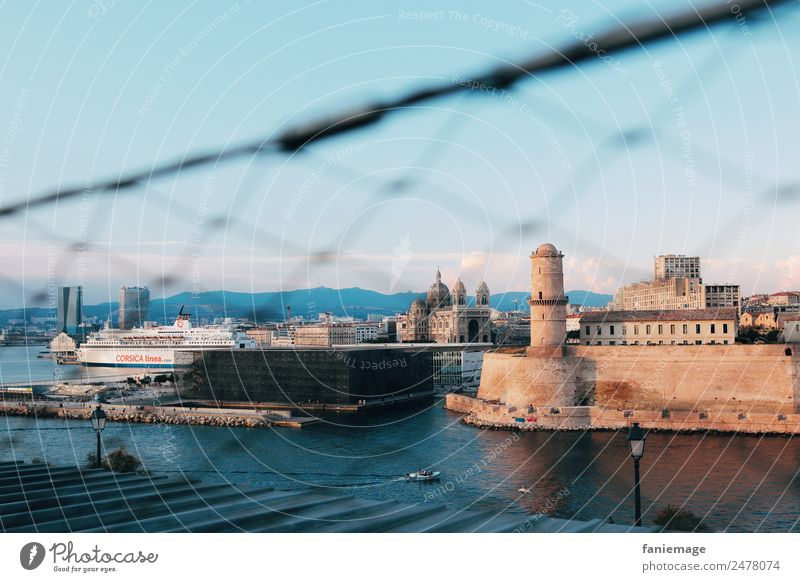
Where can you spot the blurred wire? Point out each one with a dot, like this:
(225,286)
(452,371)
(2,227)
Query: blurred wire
(502,77)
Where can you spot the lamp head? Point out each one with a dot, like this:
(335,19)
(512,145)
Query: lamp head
(636,439)
(98,419)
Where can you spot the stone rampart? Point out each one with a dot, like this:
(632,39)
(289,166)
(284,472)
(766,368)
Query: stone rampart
(708,378)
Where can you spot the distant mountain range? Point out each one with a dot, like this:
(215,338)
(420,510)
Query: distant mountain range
(309,303)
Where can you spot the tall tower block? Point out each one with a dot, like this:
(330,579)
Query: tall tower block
(548,302)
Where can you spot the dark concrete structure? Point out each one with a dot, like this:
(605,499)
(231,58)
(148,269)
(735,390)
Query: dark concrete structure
(339,375)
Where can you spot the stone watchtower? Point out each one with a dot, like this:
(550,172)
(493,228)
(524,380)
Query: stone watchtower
(548,303)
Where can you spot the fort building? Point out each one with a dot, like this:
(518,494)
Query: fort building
(673,327)
(663,379)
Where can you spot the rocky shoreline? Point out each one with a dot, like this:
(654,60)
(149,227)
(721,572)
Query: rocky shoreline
(153,415)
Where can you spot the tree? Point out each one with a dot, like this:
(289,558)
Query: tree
(675,519)
(118,461)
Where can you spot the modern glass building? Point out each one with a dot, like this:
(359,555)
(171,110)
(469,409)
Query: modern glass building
(70,309)
(134,305)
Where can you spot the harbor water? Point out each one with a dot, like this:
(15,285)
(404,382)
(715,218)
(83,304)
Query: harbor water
(735,483)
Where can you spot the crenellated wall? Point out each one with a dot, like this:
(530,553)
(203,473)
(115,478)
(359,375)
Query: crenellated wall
(721,378)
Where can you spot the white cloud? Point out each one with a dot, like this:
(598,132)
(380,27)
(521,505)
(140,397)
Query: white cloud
(789,273)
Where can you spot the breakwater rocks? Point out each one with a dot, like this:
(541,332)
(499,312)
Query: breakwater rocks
(153,415)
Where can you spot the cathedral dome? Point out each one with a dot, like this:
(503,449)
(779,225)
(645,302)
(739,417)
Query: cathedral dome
(438,294)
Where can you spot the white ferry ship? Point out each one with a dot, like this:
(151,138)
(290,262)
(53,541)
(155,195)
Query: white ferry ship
(155,347)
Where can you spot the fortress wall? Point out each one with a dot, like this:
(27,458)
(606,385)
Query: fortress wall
(526,380)
(732,378)
(485,415)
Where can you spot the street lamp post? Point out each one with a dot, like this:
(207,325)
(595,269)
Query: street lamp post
(98,419)
(636,438)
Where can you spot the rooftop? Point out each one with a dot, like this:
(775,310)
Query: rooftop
(728,313)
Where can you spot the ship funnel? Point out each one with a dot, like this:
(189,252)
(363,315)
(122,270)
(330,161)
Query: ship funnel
(183,320)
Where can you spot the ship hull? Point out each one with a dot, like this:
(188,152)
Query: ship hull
(128,358)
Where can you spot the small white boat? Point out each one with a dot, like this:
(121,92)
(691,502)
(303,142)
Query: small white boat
(524,490)
(422,475)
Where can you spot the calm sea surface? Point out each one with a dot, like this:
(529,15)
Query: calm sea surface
(739,483)
(20,364)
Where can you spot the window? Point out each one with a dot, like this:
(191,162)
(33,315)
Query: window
(697,328)
(635,330)
(612,343)
(698,342)
(672,329)
(685,328)
(713,328)
(540,294)
(599,330)
(588,330)
(660,329)
(725,328)
(647,329)
(611,329)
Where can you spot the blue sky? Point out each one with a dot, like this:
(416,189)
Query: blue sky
(686,146)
